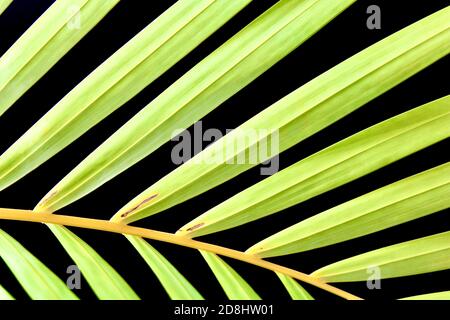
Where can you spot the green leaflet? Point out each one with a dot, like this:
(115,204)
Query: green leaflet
(296,291)
(349,159)
(57,31)
(175,284)
(4,4)
(38,281)
(397,203)
(138,63)
(102,278)
(304,112)
(443,295)
(223,73)
(231,282)
(4,295)
(418,256)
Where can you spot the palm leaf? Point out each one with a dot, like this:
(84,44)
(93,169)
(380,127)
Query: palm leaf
(418,256)
(4,295)
(102,278)
(397,203)
(340,163)
(45,43)
(175,284)
(226,71)
(235,287)
(138,63)
(319,103)
(4,4)
(37,280)
(443,295)
(296,291)
(304,112)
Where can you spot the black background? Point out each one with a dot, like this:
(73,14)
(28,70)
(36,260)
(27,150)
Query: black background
(340,39)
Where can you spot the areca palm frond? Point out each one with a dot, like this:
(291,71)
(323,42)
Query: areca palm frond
(311,108)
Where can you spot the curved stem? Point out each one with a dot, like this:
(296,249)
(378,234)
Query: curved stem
(103,225)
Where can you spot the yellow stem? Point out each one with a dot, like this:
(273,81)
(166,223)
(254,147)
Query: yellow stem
(103,225)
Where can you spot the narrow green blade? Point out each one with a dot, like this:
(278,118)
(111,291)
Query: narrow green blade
(231,282)
(295,290)
(4,4)
(397,203)
(57,31)
(102,278)
(38,281)
(418,256)
(334,166)
(4,295)
(223,73)
(299,115)
(443,295)
(133,67)
(175,284)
